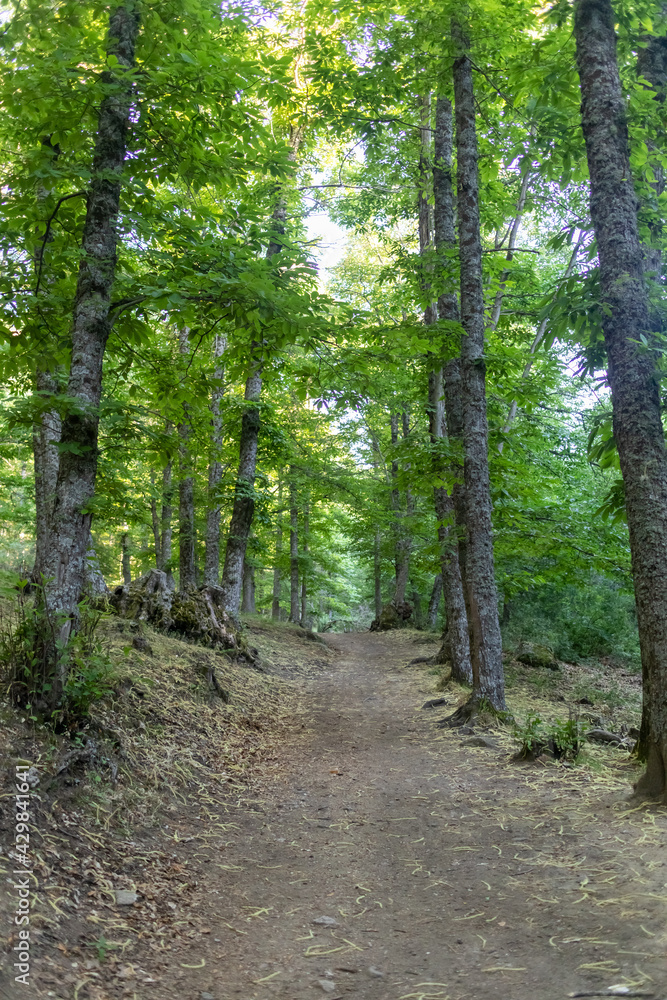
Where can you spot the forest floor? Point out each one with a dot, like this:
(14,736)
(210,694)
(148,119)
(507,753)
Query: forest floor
(369,854)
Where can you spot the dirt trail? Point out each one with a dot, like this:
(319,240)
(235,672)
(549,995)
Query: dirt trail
(449,871)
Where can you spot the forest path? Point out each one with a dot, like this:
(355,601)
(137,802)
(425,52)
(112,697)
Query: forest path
(450,871)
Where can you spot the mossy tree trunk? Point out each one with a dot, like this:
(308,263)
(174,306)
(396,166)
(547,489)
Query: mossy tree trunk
(187,567)
(633,377)
(482,604)
(65,565)
(212,558)
(444,385)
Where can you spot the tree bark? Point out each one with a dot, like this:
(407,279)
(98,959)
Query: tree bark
(70,528)
(449,507)
(395,492)
(187,566)
(434,602)
(486,644)
(631,371)
(404,547)
(165,518)
(304,569)
(46,435)
(125,558)
(377,573)
(155,524)
(212,560)
(248,601)
(275,605)
(293,548)
(244,498)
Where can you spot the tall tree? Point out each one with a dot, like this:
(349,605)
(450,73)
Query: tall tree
(294,546)
(212,560)
(277,569)
(485,644)
(66,563)
(187,565)
(441,388)
(632,371)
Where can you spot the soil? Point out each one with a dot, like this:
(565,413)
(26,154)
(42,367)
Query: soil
(450,871)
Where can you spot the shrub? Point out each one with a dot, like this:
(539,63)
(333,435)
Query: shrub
(35,657)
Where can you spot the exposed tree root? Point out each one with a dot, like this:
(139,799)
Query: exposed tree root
(194,614)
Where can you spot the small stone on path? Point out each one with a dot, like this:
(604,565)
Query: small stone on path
(372,971)
(206,996)
(125,897)
(327,985)
(326,921)
(479,741)
(434,702)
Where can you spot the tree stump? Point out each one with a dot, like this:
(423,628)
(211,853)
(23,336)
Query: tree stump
(195,614)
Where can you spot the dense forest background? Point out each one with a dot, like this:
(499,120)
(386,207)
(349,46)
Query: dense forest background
(198,139)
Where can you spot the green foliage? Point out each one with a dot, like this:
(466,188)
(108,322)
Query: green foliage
(561,738)
(596,620)
(34,657)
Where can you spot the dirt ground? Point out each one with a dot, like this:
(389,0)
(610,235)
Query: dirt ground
(381,858)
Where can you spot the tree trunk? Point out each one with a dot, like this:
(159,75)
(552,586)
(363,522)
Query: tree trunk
(165,519)
(155,524)
(377,574)
(293,549)
(275,605)
(404,547)
(187,567)
(212,560)
(304,569)
(125,558)
(632,374)
(395,492)
(70,529)
(449,508)
(244,498)
(248,602)
(46,435)
(434,602)
(486,645)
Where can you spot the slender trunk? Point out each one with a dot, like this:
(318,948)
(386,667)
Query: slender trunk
(212,560)
(304,569)
(46,435)
(377,573)
(293,549)
(155,524)
(434,602)
(187,567)
(165,518)
(449,506)
(243,510)
(404,548)
(486,645)
(395,492)
(70,528)
(275,605)
(125,558)
(248,601)
(631,372)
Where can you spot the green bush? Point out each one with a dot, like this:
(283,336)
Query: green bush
(578,623)
(34,656)
(562,738)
